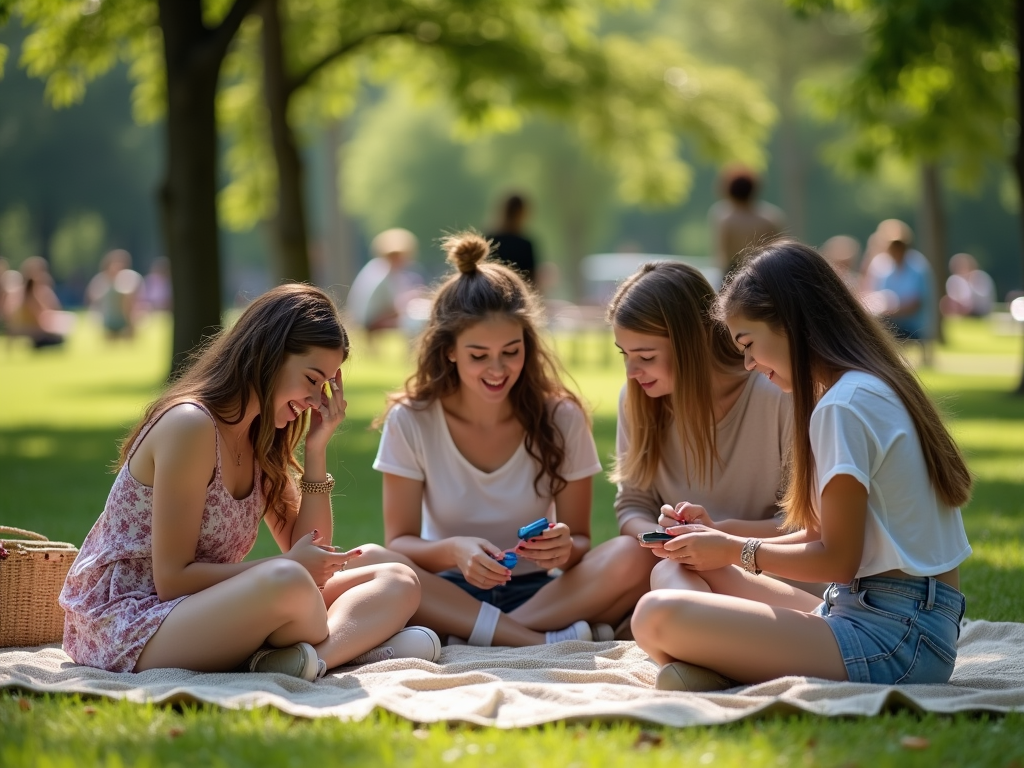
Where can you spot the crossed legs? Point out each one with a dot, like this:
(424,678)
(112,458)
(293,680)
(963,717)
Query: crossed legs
(277,603)
(748,628)
(601,588)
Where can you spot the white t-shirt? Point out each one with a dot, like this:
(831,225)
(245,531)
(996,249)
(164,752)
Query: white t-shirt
(373,293)
(752,441)
(461,500)
(861,428)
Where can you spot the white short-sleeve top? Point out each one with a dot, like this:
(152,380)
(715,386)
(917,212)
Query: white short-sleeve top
(861,428)
(461,500)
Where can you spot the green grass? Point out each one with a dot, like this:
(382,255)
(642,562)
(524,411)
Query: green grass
(63,411)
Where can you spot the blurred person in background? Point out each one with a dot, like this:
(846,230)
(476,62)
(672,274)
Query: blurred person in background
(381,292)
(739,220)
(969,290)
(899,285)
(113,294)
(38,313)
(156,286)
(843,253)
(10,292)
(509,243)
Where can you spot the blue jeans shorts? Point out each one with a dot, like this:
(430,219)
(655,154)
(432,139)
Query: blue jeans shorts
(895,631)
(507,597)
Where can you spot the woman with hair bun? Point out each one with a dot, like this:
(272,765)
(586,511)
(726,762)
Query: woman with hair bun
(484,439)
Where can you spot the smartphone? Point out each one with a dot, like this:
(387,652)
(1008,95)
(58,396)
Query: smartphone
(536,528)
(509,560)
(654,537)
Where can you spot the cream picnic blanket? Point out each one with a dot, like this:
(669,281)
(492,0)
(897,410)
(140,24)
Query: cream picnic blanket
(515,687)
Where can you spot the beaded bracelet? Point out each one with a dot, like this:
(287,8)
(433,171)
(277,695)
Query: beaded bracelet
(747,556)
(325,487)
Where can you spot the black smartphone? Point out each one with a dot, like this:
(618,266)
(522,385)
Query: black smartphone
(654,537)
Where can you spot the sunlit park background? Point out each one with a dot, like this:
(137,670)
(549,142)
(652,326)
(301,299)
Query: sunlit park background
(255,141)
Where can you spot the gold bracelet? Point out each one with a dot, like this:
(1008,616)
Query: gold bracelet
(325,487)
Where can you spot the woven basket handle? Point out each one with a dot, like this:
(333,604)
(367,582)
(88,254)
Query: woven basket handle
(21,532)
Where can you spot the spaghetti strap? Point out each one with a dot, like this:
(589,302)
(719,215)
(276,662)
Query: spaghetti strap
(151,424)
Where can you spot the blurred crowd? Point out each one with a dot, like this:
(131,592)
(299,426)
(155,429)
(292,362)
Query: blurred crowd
(117,296)
(892,277)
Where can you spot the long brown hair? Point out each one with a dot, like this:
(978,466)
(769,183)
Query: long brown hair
(795,291)
(244,361)
(477,289)
(672,300)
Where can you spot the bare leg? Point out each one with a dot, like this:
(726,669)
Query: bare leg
(446,608)
(721,631)
(275,602)
(602,587)
(355,617)
(733,581)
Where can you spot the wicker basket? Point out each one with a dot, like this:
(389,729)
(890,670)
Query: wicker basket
(32,572)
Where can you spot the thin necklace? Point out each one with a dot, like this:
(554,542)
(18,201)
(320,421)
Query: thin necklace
(238,453)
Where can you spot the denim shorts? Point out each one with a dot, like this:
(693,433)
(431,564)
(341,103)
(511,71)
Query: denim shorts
(895,631)
(507,597)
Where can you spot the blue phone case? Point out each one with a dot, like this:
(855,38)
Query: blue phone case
(509,560)
(536,528)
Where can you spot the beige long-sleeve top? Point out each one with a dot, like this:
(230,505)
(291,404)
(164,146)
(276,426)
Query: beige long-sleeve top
(753,439)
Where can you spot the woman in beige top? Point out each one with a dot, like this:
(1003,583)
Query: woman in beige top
(724,451)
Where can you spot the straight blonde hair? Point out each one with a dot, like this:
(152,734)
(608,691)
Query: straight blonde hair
(672,300)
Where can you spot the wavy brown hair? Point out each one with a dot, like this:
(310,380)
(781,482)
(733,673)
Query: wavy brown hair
(478,289)
(673,300)
(244,362)
(793,290)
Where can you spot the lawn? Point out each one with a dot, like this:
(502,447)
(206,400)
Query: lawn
(63,411)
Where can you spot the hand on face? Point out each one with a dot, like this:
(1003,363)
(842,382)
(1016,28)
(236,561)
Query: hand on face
(327,417)
(549,550)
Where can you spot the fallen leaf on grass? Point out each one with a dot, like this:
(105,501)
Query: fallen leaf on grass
(914,742)
(647,739)
(24,704)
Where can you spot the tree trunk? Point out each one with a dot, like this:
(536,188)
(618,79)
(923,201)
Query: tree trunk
(1018,158)
(188,199)
(339,264)
(933,222)
(291,251)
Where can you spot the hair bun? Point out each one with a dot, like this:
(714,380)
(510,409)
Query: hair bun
(465,249)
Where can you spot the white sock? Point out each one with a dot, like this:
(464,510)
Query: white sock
(486,622)
(580,630)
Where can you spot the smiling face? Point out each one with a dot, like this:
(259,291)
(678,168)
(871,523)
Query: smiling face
(489,356)
(300,382)
(764,350)
(648,359)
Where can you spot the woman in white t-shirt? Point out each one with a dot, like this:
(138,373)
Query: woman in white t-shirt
(724,450)
(873,502)
(483,440)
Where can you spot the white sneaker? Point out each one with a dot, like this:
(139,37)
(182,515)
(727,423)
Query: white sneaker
(581,630)
(408,643)
(299,660)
